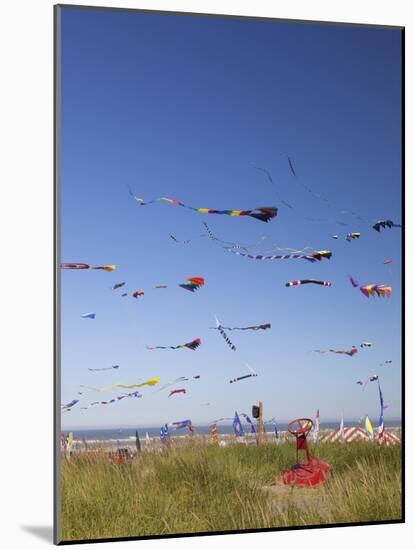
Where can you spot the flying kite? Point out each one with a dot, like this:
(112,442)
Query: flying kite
(366,345)
(177,380)
(160,286)
(349,352)
(180,390)
(115,399)
(138,293)
(373,289)
(106,368)
(181,424)
(118,285)
(124,294)
(269,177)
(151,382)
(387,362)
(225,337)
(263,213)
(311,257)
(251,374)
(86,266)
(384,223)
(352,236)
(70,404)
(386,262)
(88,315)
(308,281)
(193,283)
(265,326)
(194,344)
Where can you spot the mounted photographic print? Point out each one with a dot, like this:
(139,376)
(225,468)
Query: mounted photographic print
(229,260)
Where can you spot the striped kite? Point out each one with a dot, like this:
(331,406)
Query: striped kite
(308,281)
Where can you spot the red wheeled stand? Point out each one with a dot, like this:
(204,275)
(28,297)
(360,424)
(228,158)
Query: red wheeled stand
(312,472)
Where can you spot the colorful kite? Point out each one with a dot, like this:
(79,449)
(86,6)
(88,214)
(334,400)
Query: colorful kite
(151,382)
(352,236)
(225,336)
(263,213)
(106,368)
(179,390)
(311,257)
(88,315)
(194,344)
(181,424)
(193,283)
(252,374)
(253,327)
(372,289)
(308,281)
(86,266)
(138,293)
(384,223)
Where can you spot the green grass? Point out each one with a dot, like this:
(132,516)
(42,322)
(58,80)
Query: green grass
(206,488)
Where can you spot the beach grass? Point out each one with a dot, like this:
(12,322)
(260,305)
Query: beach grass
(200,487)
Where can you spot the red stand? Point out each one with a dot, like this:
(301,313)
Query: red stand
(312,472)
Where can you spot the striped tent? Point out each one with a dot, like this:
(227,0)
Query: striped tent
(349,435)
(388,439)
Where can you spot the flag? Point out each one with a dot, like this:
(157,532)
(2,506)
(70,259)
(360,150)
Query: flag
(368,426)
(381,426)
(341,429)
(237,426)
(164,434)
(214,434)
(250,423)
(183,424)
(316,430)
(276,432)
(137,442)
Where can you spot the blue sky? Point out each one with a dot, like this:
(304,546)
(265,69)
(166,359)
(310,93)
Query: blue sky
(183,107)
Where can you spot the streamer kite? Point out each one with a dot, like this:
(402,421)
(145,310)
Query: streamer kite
(151,382)
(349,352)
(193,345)
(86,266)
(174,392)
(106,368)
(114,400)
(262,213)
(384,224)
(311,257)
(225,336)
(308,281)
(88,315)
(265,326)
(193,283)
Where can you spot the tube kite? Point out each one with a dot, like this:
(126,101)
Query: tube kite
(193,283)
(179,390)
(252,374)
(86,266)
(194,344)
(308,281)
